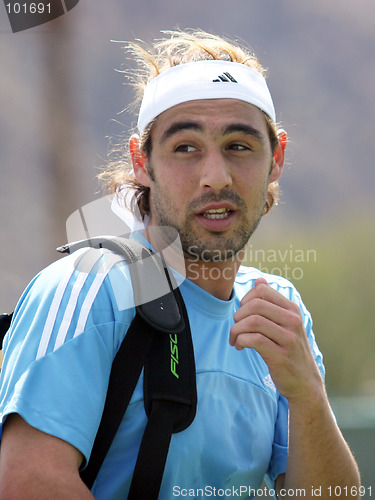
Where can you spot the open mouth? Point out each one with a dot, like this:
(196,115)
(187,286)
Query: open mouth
(217,219)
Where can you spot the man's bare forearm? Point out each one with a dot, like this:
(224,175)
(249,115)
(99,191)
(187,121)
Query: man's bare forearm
(319,457)
(37,466)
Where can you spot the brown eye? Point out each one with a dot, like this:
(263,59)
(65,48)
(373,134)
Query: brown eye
(185,148)
(239,147)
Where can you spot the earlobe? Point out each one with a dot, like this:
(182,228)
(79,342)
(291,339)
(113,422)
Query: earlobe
(279,156)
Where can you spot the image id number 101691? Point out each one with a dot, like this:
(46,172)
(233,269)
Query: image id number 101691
(28,8)
(349,491)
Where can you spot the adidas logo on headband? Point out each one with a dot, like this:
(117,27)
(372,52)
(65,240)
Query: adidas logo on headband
(225,77)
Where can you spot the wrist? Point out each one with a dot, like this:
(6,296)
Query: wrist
(312,399)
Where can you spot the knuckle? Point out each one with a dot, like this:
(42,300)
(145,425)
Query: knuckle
(237,316)
(254,322)
(260,342)
(295,308)
(295,320)
(252,340)
(257,303)
(234,330)
(254,307)
(289,342)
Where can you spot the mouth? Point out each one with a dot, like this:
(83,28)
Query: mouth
(217,218)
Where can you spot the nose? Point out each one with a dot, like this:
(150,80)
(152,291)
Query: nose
(215,172)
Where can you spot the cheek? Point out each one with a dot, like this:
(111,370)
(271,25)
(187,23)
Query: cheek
(178,183)
(170,192)
(253,183)
(253,190)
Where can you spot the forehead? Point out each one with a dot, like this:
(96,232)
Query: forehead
(213,115)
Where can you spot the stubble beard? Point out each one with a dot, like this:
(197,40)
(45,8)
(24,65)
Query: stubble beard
(214,247)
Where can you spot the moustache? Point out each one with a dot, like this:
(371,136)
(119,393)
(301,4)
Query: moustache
(224,195)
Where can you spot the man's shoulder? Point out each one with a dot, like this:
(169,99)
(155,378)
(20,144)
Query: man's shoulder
(83,290)
(78,281)
(247,276)
(85,265)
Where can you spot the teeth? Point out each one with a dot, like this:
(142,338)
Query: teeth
(217,210)
(218,213)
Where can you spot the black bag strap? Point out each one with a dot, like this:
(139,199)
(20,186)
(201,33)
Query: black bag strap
(125,372)
(159,339)
(5,320)
(170,403)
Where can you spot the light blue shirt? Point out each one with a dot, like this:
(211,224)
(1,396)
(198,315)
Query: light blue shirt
(66,331)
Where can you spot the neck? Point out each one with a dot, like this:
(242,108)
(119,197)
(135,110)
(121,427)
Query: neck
(216,278)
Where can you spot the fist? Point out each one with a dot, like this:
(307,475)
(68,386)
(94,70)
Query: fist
(272,325)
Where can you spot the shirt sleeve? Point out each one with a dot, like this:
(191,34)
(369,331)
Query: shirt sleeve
(59,350)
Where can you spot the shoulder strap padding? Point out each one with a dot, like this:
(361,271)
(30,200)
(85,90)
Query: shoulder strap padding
(150,278)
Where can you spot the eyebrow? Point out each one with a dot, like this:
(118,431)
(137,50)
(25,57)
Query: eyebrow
(178,126)
(245,129)
(232,128)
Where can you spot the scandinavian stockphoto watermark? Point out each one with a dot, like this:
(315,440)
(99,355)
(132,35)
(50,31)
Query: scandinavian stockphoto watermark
(288,262)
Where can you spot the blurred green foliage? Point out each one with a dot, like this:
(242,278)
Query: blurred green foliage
(334,270)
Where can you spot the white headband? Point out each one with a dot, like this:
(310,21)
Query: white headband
(212,79)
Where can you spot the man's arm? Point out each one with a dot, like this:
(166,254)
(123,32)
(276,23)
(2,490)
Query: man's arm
(37,466)
(318,454)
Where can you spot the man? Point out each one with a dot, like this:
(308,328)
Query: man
(206,162)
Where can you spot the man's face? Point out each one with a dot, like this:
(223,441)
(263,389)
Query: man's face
(208,173)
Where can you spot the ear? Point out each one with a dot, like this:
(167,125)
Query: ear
(279,156)
(138,161)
